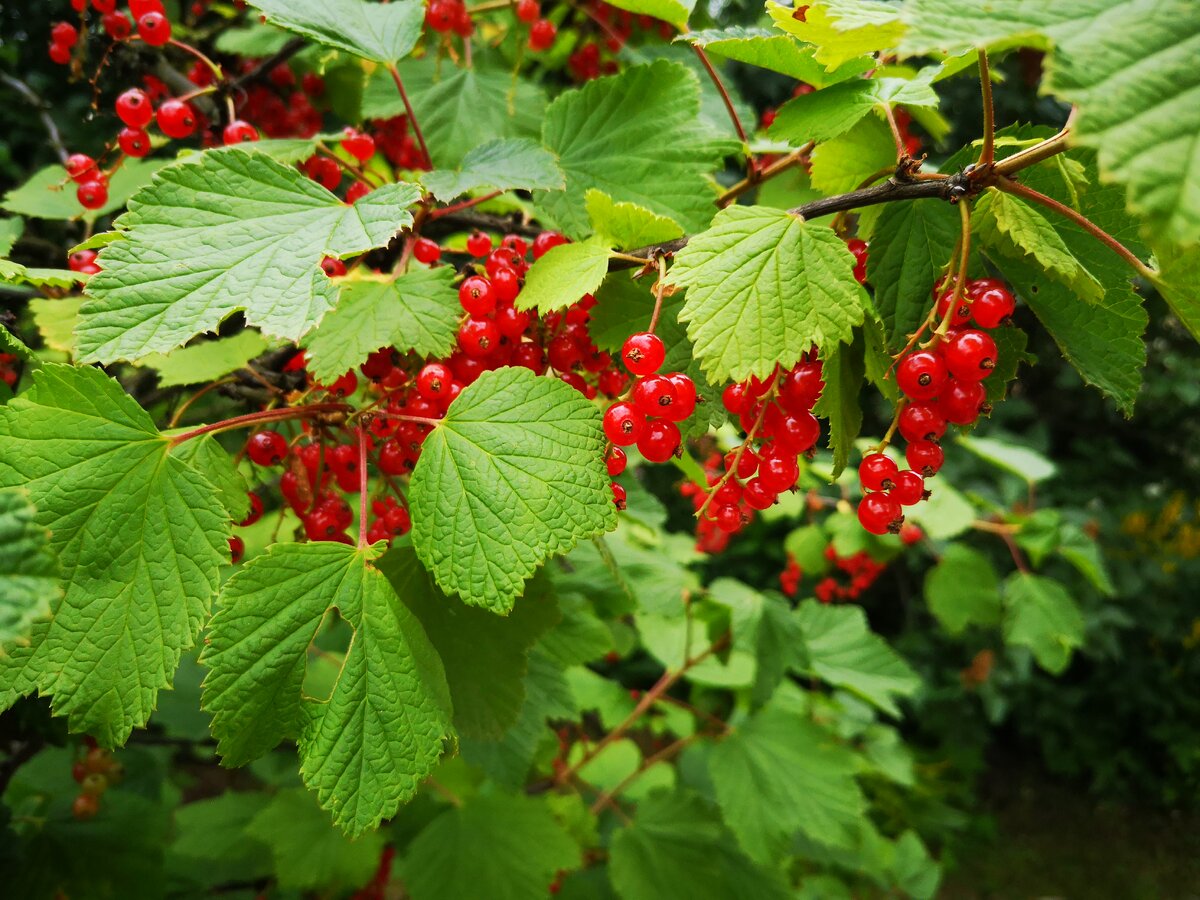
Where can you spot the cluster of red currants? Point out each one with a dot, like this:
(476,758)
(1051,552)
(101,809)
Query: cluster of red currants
(8,369)
(649,415)
(94,771)
(711,537)
(150,17)
(942,385)
(619,26)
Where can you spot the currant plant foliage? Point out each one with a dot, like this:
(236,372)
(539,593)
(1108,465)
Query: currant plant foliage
(455,333)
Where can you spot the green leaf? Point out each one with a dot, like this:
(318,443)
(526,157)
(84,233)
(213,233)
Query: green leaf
(211,847)
(1179,283)
(309,853)
(832,111)
(636,137)
(28,569)
(207,360)
(417,311)
(946,514)
(843,651)
(1081,551)
(15,273)
(390,703)
(779,773)
(384,33)
(678,847)
(50,194)
(844,371)
(628,225)
(564,274)
(764,627)
(675,12)
(842,30)
(764,287)
(766,49)
(510,843)
(140,537)
(910,246)
(486,657)
(503,165)
(1010,353)
(963,589)
(56,321)
(1014,228)
(232,231)
(513,474)
(1144,52)
(11,230)
(459,108)
(1026,464)
(844,163)
(207,456)
(1040,614)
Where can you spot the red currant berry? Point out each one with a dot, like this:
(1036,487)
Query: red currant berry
(140,7)
(623,424)
(798,433)
(83,261)
(685,397)
(434,380)
(924,457)
(728,518)
(154,28)
(475,295)
(531,356)
(564,353)
(134,108)
(992,303)
(643,353)
(324,171)
(962,312)
(877,472)
(880,514)
(321,525)
(104,6)
(801,387)
(237,549)
(528,11)
(267,448)
(659,440)
(909,488)
(545,242)
(239,132)
(343,387)
(615,460)
(426,251)
(357,191)
(921,422)
(961,401)
(176,119)
(64,33)
(778,472)
(479,244)
(333,267)
(256,510)
(134,142)
(654,395)
(117,25)
(728,494)
(618,495)
(85,807)
(359,145)
(505,285)
(81,167)
(612,382)
(969,355)
(921,375)
(541,35)
(512,322)
(60,53)
(736,399)
(92,194)
(757,495)
(859,249)
(478,337)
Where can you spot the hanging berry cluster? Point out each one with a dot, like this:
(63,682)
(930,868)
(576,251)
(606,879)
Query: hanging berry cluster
(942,385)
(94,771)
(597,53)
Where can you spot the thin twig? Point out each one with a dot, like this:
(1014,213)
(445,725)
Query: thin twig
(412,116)
(270,415)
(988,156)
(758,176)
(1012,187)
(901,148)
(716,80)
(43,111)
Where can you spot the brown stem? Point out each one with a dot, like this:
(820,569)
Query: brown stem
(758,176)
(463,204)
(362,486)
(716,80)
(901,150)
(960,281)
(660,288)
(649,762)
(1052,146)
(412,116)
(988,156)
(286,52)
(259,418)
(1012,187)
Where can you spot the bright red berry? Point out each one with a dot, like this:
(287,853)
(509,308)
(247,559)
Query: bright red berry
(426,251)
(81,167)
(64,33)
(528,10)
(757,495)
(357,191)
(139,8)
(778,472)
(343,386)
(659,440)
(60,53)
(478,337)
(654,395)
(176,119)
(512,322)
(623,424)
(358,144)
(434,380)
(909,488)
(333,267)
(921,375)
(728,518)
(969,355)
(859,249)
(117,25)
(643,353)
(479,244)
(880,514)
(801,387)
(877,472)
(104,6)
(154,28)
(618,495)
(685,397)
(991,303)
(475,295)
(736,398)
(615,460)
(134,108)
(924,457)
(505,285)
(92,194)
(134,142)
(237,549)
(545,242)
(962,312)
(541,35)
(267,448)
(961,401)
(799,432)
(256,510)
(921,422)
(239,132)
